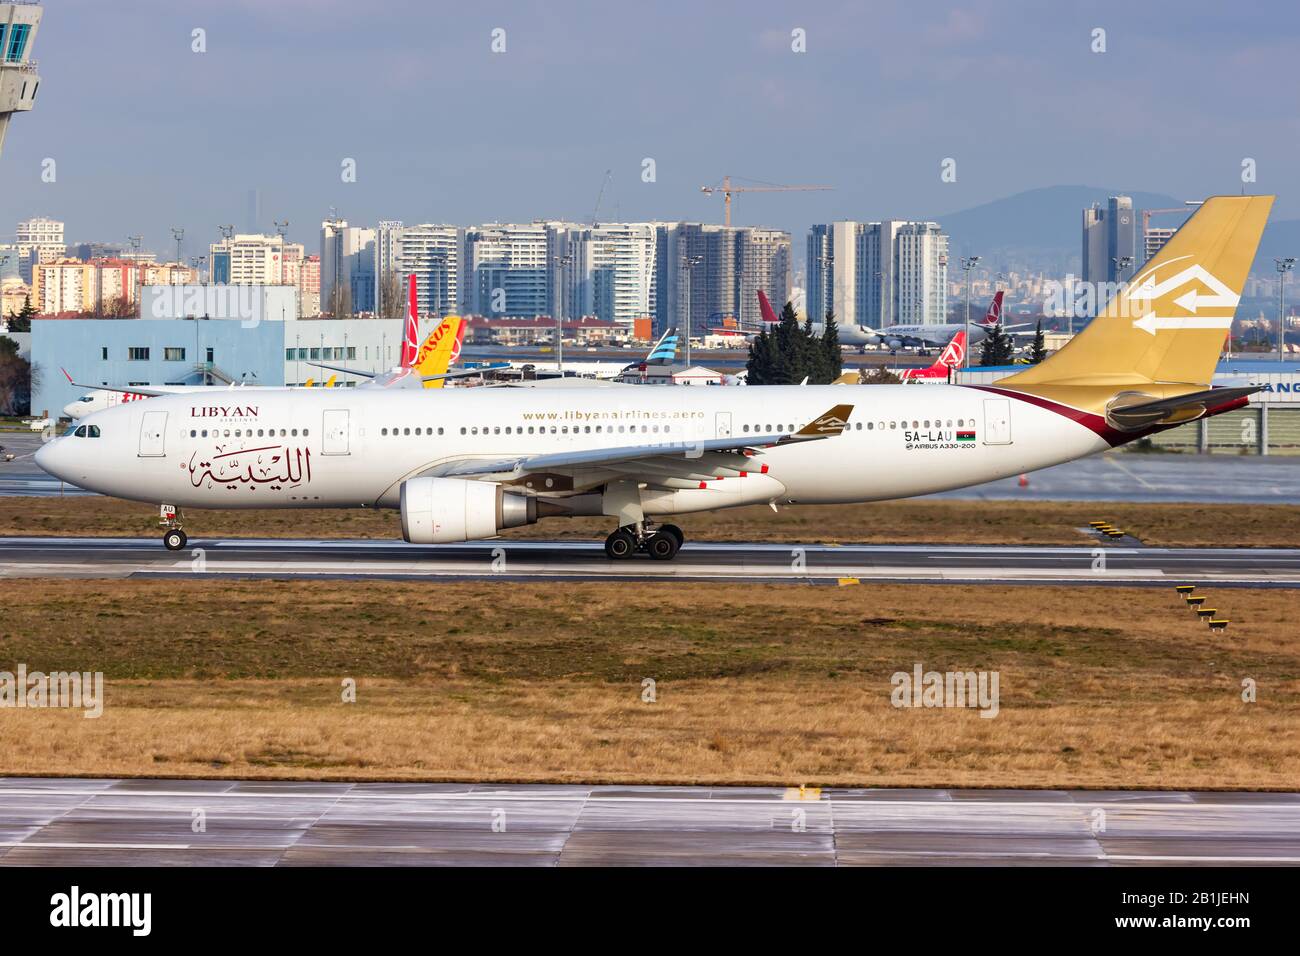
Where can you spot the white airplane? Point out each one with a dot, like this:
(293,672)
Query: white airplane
(466,464)
(896,337)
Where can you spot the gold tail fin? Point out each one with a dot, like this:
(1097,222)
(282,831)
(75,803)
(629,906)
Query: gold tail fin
(1162,335)
(440,349)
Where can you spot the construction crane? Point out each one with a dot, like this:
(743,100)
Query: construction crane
(727,189)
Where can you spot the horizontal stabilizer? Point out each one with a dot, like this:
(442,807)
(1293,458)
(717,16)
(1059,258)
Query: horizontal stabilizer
(1130,412)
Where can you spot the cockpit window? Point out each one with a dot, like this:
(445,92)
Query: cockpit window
(72,430)
(81,431)
(92,431)
(87,399)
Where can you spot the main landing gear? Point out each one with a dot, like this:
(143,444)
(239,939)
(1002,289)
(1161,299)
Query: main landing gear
(174,537)
(661,544)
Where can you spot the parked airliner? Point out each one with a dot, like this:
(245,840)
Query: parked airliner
(464,464)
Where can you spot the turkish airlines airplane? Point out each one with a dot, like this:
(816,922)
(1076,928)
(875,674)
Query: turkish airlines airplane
(950,358)
(425,366)
(466,464)
(935,336)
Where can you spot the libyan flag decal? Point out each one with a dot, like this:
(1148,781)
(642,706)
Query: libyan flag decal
(966,436)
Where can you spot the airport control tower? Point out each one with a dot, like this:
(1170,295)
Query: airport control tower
(18,78)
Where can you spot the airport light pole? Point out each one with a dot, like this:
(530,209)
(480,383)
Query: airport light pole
(562,262)
(1283,267)
(178,233)
(689,263)
(967,264)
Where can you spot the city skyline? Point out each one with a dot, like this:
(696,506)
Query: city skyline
(206,131)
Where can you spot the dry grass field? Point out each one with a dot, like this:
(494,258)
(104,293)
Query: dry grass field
(754,685)
(903,522)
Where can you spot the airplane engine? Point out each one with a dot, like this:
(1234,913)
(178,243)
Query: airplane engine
(894,344)
(448,510)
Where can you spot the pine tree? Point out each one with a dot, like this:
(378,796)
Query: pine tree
(1038,351)
(22,321)
(997,348)
(830,346)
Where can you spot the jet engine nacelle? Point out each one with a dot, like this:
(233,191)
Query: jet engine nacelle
(894,344)
(447,510)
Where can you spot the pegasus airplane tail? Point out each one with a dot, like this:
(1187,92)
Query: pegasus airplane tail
(440,351)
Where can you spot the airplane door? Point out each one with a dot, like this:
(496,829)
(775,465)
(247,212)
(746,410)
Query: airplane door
(997,421)
(722,425)
(335,430)
(153,427)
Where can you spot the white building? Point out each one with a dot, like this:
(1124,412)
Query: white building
(507,270)
(878,273)
(255,259)
(432,252)
(612,273)
(347,268)
(38,240)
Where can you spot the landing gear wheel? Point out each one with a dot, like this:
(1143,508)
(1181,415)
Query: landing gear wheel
(174,539)
(620,544)
(662,545)
(675,531)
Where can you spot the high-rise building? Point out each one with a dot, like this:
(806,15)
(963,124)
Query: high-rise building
(347,268)
(716,272)
(612,273)
(878,273)
(19,80)
(38,240)
(255,259)
(507,270)
(1109,243)
(309,287)
(1154,239)
(101,286)
(432,253)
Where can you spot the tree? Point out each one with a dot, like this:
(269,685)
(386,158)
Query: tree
(790,352)
(22,322)
(1038,351)
(15,382)
(879,376)
(997,348)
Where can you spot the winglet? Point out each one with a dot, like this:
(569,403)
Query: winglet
(66,375)
(828,424)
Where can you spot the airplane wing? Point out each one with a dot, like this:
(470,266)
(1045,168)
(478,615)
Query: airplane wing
(151,391)
(682,454)
(344,369)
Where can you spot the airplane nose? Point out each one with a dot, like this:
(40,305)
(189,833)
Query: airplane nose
(49,458)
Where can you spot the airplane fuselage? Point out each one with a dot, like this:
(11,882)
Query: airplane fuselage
(322,449)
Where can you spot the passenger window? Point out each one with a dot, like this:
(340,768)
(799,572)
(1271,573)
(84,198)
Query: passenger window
(225,433)
(405,431)
(294,432)
(439,430)
(304,433)
(462,429)
(474,430)
(193,434)
(205,433)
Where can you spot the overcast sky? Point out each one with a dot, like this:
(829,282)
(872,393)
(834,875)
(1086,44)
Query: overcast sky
(147,134)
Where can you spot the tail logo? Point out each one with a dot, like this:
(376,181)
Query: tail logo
(1147,290)
(954,352)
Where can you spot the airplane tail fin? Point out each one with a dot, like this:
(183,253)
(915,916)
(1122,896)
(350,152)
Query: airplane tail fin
(765,307)
(664,351)
(410,335)
(441,349)
(953,354)
(1163,333)
(994,314)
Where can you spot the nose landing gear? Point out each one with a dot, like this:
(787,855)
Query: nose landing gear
(661,545)
(174,537)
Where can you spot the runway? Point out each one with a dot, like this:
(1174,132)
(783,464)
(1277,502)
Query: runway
(71,822)
(1104,562)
